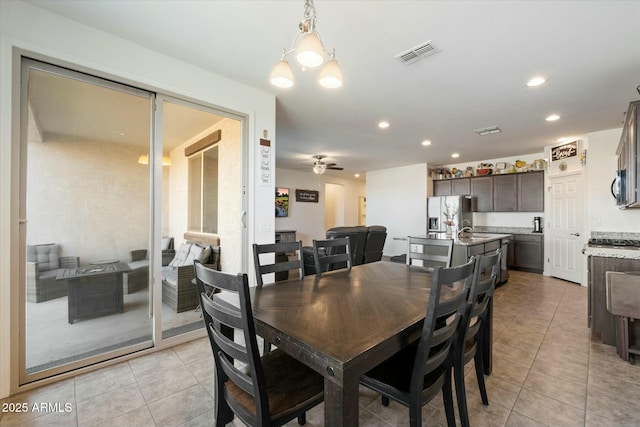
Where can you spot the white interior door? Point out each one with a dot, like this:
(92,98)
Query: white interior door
(565,227)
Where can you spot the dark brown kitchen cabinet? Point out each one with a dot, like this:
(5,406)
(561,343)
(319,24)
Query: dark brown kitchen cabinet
(531,192)
(482,193)
(460,186)
(601,322)
(528,252)
(505,193)
(442,187)
(452,187)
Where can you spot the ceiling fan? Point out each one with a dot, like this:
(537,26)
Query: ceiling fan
(320,167)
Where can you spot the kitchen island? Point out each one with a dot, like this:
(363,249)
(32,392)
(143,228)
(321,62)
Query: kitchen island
(467,245)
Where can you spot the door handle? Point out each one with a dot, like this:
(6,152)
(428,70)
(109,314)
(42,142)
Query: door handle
(575,234)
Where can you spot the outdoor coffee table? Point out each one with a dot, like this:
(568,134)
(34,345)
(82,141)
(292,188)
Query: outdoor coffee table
(94,290)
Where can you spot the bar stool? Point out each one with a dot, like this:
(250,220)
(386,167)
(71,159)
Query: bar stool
(623,301)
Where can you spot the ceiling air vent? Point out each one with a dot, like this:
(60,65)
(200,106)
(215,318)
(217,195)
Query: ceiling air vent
(416,53)
(488,131)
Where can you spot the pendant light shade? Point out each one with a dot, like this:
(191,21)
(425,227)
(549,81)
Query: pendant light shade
(310,52)
(331,75)
(281,75)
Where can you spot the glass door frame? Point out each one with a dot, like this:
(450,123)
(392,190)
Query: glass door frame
(24,60)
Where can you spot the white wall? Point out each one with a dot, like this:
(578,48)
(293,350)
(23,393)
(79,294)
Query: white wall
(48,36)
(308,219)
(602,213)
(397,199)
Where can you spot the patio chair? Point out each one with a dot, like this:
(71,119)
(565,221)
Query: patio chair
(178,291)
(43,265)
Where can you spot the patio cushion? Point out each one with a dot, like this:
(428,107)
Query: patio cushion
(188,253)
(181,255)
(134,265)
(45,255)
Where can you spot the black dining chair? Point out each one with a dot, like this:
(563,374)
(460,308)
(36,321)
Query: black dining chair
(418,372)
(432,252)
(263,267)
(331,254)
(471,330)
(278,249)
(266,391)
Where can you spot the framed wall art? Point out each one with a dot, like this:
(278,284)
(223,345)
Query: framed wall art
(282,202)
(307,196)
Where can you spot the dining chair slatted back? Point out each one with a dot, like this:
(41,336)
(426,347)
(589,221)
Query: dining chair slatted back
(471,330)
(263,268)
(418,372)
(276,267)
(431,252)
(261,391)
(331,254)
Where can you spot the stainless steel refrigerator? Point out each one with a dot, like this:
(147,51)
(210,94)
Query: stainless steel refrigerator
(453,209)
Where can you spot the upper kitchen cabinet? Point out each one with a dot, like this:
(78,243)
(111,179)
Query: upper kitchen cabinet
(482,194)
(452,187)
(519,192)
(505,193)
(531,192)
(442,187)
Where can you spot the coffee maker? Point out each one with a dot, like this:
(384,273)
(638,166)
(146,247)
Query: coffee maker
(537,224)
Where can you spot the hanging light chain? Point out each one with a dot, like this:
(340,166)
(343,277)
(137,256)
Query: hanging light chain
(308,24)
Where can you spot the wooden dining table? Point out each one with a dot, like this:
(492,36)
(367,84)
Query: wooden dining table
(344,323)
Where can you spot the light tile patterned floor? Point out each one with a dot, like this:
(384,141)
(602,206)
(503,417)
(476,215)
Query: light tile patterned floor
(546,372)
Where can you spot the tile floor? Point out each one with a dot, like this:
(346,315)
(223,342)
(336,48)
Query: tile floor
(546,372)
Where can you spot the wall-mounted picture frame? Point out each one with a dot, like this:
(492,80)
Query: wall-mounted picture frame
(307,196)
(282,202)
(564,151)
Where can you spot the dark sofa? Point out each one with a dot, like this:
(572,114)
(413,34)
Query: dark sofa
(365,245)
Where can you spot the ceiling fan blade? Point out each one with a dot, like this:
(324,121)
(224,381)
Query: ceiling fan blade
(335,168)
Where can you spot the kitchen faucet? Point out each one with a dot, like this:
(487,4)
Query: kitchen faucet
(463,229)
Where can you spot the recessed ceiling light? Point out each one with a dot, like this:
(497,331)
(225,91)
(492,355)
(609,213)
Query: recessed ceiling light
(383,125)
(536,81)
(455,155)
(552,118)
(426,142)
(357,175)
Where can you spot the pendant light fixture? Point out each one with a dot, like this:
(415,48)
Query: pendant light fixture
(309,53)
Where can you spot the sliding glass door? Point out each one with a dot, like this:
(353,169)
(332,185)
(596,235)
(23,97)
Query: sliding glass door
(201,203)
(86,201)
(120,189)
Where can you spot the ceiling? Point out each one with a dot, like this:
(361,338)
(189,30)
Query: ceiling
(69,109)
(589,51)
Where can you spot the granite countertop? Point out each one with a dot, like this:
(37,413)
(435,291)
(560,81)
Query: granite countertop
(469,239)
(611,252)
